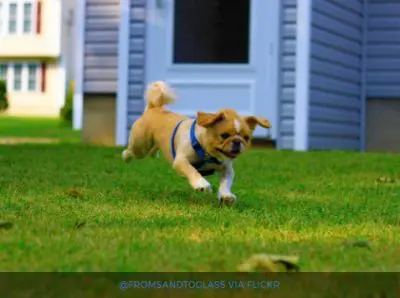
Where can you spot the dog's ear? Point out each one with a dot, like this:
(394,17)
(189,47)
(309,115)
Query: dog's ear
(209,119)
(253,121)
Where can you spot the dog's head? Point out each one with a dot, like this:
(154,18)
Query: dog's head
(227,134)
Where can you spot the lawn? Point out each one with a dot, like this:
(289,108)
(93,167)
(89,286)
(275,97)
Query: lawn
(49,128)
(80,208)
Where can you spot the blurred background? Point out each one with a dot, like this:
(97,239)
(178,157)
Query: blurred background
(325,73)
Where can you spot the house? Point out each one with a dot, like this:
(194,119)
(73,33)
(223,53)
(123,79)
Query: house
(34,44)
(326,73)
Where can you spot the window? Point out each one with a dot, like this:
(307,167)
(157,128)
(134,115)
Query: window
(3,72)
(12,18)
(17,77)
(27,28)
(211,31)
(32,77)
(24,77)
(18,16)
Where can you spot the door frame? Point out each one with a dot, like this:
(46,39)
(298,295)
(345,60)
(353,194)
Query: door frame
(272,32)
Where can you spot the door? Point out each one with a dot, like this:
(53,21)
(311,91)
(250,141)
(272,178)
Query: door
(215,54)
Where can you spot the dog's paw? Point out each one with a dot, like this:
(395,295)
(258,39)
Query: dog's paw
(202,185)
(127,155)
(227,198)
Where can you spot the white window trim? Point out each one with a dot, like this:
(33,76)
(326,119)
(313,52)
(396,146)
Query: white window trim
(24,77)
(5,17)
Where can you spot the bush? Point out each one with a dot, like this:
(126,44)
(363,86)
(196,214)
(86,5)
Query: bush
(3,96)
(67,110)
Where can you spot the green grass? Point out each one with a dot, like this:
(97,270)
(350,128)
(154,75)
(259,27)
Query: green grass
(143,217)
(22,127)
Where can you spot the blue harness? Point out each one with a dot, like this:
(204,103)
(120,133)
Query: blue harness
(201,153)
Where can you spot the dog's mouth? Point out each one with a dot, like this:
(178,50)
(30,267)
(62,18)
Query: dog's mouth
(230,154)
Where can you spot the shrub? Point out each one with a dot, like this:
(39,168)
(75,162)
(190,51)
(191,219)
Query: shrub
(3,96)
(67,110)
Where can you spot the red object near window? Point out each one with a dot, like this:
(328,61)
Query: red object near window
(38,17)
(43,72)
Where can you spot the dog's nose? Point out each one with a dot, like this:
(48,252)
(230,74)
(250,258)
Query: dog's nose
(236,146)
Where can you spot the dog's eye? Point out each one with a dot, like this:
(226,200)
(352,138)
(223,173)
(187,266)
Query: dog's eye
(225,136)
(246,138)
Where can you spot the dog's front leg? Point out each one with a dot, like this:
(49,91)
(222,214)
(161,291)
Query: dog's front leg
(225,183)
(183,167)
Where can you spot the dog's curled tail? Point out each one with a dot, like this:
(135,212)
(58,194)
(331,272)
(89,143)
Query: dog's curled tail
(158,94)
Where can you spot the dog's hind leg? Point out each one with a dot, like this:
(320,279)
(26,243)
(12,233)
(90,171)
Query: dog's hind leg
(140,143)
(154,152)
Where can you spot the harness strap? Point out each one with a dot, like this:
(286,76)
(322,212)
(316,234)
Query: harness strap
(195,143)
(201,153)
(173,138)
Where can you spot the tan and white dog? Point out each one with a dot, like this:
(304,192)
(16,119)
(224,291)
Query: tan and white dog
(195,147)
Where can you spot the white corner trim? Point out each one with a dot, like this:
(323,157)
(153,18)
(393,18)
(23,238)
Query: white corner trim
(302,81)
(58,12)
(123,73)
(79,63)
(275,65)
(63,83)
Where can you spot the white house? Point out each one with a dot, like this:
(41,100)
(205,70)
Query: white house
(35,44)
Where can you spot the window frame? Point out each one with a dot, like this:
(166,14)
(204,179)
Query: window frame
(37,77)
(12,80)
(24,77)
(32,17)
(6,73)
(5,17)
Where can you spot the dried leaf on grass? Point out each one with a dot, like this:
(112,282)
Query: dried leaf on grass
(80,224)
(270,263)
(357,243)
(74,193)
(384,180)
(6,225)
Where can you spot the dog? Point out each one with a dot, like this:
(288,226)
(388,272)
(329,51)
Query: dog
(194,147)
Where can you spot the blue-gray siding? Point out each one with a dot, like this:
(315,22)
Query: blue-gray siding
(136,63)
(101,46)
(336,65)
(383,49)
(287,74)
(336,74)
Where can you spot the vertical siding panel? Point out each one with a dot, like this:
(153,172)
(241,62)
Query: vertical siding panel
(383,49)
(136,61)
(101,46)
(336,74)
(287,74)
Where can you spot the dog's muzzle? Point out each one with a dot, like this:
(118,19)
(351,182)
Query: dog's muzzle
(236,147)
